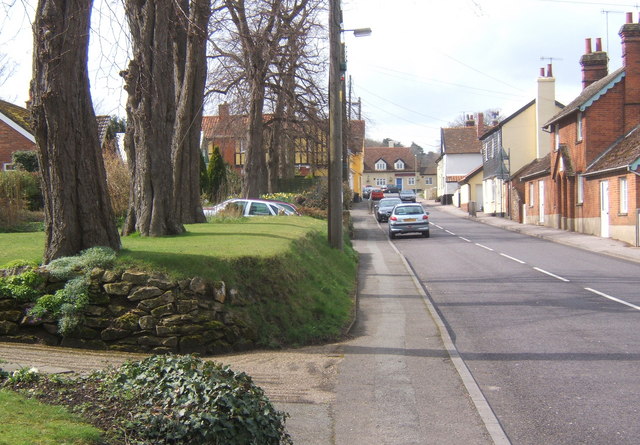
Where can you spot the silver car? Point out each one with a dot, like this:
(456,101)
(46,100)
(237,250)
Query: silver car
(248,207)
(408,218)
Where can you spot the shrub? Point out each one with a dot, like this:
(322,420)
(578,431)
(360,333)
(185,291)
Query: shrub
(185,400)
(19,193)
(22,287)
(26,160)
(67,303)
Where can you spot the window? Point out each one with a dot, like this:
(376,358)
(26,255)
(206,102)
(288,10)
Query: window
(8,166)
(428,181)
(240,155)
(381,181)
(579,126)
(624,201)
(531,194)
(411,181)
(381,165)
(399,165)
(259,208)
(580,197)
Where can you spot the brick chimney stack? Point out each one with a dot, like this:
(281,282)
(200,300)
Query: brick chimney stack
(594,64)
(480,125)
(223,111)
(630,34)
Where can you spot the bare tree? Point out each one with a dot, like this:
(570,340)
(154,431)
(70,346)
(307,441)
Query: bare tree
(78,213)
(151,107)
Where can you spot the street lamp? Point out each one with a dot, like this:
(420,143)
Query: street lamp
(337,67)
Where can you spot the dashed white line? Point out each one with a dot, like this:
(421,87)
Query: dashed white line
(617,300)
(449,232)
(551,274)
(484,247)
(512,258)
(439,227)
(464,239)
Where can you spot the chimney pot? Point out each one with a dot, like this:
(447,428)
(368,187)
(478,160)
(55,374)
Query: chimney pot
(629,17)
(541,72)
(549,70)
(598,44)
(587,46)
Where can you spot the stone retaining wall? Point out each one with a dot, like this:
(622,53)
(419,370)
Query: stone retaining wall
(133,311)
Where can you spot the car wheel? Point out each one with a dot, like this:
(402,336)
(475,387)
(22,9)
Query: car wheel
(392,235)
(425,234)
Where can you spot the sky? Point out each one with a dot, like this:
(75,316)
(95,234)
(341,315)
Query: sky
(426,63)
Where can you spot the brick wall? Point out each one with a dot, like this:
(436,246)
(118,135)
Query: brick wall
(10,142)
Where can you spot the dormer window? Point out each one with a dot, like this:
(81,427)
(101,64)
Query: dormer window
(381,165)
(399,165)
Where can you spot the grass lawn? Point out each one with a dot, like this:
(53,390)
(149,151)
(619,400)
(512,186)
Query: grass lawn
(28,422)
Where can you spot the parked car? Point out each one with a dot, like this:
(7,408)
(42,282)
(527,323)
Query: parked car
(408,218)
(384,208)
(248,207)
(287,206)
(367,191)
(376,194)
(392,189)
(408,195)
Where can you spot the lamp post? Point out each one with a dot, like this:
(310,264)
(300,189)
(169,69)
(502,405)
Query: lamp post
(337,67)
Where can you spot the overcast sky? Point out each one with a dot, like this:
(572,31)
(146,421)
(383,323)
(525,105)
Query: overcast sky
(427,62)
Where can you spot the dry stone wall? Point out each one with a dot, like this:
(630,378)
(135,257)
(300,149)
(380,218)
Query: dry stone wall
(134,311)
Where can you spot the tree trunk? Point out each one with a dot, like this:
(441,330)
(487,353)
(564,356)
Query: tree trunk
(255,177)
(186,136)
(78,212)
(149,80)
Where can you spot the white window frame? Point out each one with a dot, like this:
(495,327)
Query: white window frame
(580,189)
(411,181)
(381,182)
(579,127)
(381,165)
(399,165)
(532,194)
(428,181)
(624,195)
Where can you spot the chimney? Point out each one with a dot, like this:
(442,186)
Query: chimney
(545,110)
(223,110)
(469,122)
(594,64)
(480,126)
(630,34)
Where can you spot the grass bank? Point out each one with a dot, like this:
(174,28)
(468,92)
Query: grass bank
(302,289)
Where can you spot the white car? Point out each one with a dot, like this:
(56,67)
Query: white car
(408,218)
(248,207)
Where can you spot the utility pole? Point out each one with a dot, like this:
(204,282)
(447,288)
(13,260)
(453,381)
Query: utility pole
(335,126)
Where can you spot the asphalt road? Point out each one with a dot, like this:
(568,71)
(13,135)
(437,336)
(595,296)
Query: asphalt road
(551,333)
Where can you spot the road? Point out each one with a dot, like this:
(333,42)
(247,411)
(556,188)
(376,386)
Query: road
(551,333)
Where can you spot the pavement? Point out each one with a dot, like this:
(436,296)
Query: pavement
(396,379)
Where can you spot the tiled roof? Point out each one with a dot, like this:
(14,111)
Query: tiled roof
(592,92)
(455,178)
(471,174)
(17,114)
(214,126)
(624,152)
(103,126)
(460,140)
(390,155)
(537,167)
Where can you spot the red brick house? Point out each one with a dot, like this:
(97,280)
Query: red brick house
(593,185)
(15,133)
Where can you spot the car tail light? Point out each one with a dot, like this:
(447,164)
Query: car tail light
(425,217)
(393,218)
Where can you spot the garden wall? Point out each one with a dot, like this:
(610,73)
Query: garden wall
(139,312)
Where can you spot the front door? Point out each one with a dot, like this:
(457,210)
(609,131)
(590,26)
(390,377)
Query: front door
(541,201)
(399,183)
(604,209)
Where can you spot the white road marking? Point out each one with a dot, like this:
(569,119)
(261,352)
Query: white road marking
(464,239)
(512,258)
(484,247)
(617,300)
(449,232)
(551,274)
(439,227)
